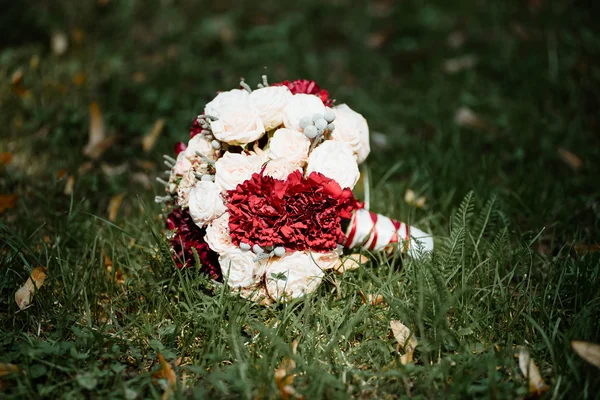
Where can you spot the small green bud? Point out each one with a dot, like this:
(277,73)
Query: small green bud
(330,127)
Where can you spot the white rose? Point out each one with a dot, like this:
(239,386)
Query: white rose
(235,168)
(280,168)
(335,160)
(238,267)
(200,144)
(292,275)
(289,144)
(183,165)
(205,202)
(217,235)
(299,106)
(352,128)
(270,102)
(238,120)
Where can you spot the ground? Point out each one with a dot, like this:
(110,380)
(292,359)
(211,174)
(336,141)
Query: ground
(488,109)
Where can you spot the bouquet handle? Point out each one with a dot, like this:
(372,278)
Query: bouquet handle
(375,232)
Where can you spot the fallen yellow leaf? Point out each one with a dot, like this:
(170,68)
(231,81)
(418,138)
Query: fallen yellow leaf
(411,198)
(569,158)
(466,117)
(113,206)
(406,341)
(150,138)
(98,142)
(590,352)
(6,369)
(166,372)
(284,376)
(350,262)
(24,295)
(8,201)
(70,185)
(59,42)
(530,370)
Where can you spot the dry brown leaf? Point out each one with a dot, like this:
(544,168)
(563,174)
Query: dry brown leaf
(60,43)
(78,35)
(5,158)
(85,168)
(70,185)
(456,39)
(113,206)
(6,369)
(142,179)
(79,79)
(375,300)
(166,372)
(149,138)
(458,64)
(98,142)
(8,201)
(350,262)
(412,199)
(406,341)
(530,370)
(24,295)
(569,158)
(590,352)
(284,376)
(586,248)
(466,117)
(114,170)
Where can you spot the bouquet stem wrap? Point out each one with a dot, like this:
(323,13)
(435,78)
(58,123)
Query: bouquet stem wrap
(376,232)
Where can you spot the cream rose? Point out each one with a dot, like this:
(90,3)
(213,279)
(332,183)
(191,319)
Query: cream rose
(205,202)
(292,275)
(238,120)
(183,165)
(200,144)
(299,106)
(238,267)
(188,180)
(280,168)
(335,160)
(289,144)
(352,128)
(235,168)
(270,102)
(217,235)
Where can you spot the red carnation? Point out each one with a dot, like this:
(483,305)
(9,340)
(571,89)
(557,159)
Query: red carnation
(195,129)
(189,236)
(307,87)
(298,213)
(179,147)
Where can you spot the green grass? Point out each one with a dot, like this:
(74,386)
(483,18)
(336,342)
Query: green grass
(506,211)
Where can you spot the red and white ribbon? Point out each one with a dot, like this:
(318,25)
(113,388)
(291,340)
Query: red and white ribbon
(376,232)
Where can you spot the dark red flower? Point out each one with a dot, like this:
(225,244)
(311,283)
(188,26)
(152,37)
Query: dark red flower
(188,236)
(179,147)
(307,87)
(195,129)
(298,213)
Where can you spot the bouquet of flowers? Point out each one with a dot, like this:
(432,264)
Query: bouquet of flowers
(261,195)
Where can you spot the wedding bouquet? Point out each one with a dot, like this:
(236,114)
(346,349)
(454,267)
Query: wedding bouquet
(261,195)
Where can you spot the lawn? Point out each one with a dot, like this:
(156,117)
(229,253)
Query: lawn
(488,109)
